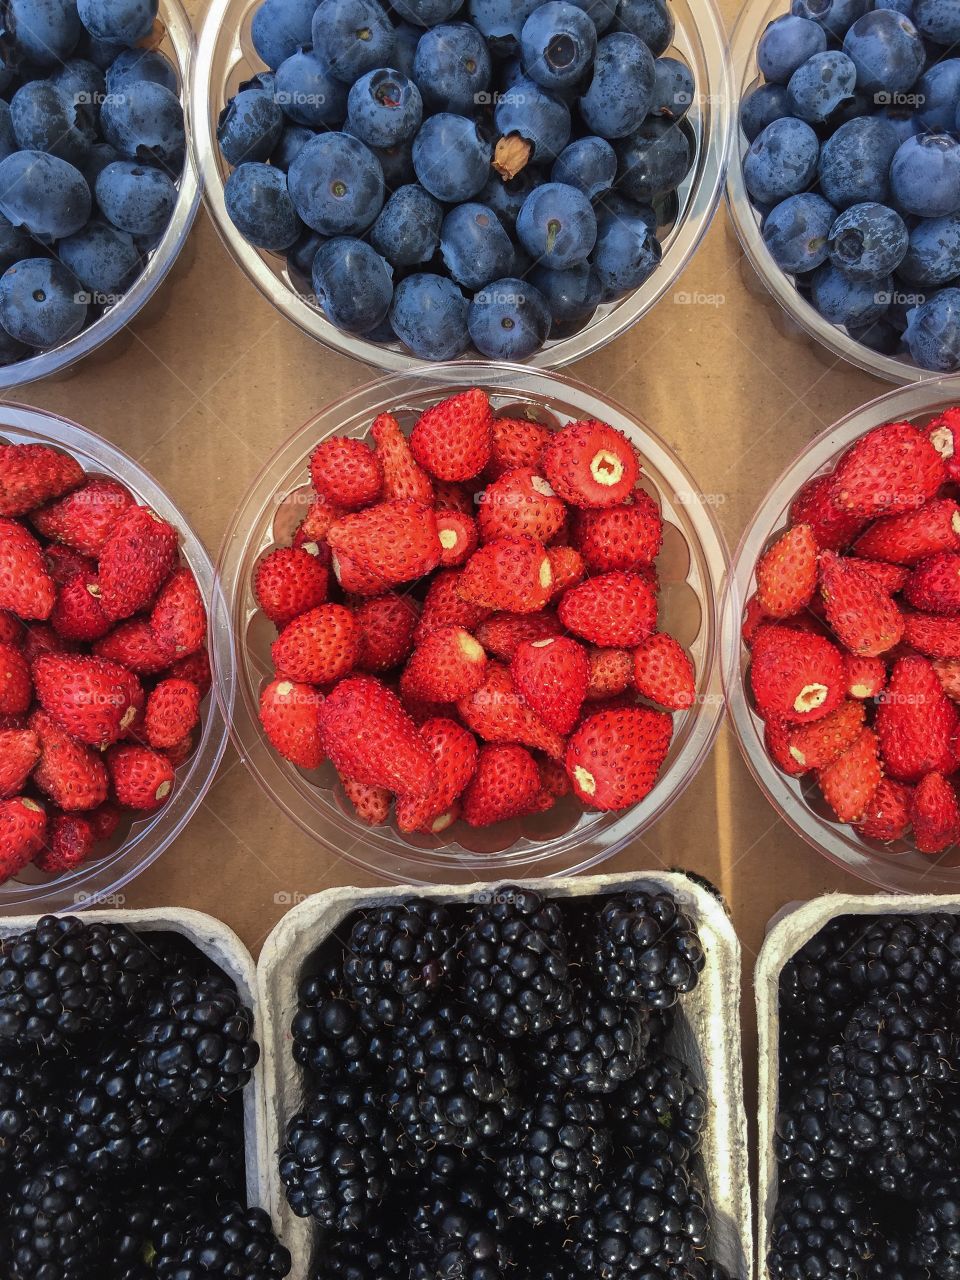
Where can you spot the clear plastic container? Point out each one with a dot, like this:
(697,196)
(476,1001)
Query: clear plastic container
(99,881)
(798,800)
(226,57)
(178,45)
(692,567)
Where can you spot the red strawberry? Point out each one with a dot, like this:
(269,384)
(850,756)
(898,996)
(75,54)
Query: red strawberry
(85,518)
(19,752)
(887,815)
(32,474)
(754,619)
(502,633)
(346,472)
(288,582)
(26,587)
(135,645)
(393,541)
(195,667)
(453,440)
(23,826)
(795,675)
(554,779)
(71,774)
(590,464)
(948,673)
(448,496)
(849,782)
(916,722)
(105,821)
(866,677)
(521,503)
(568,568)
(787,573)
(777,739)
(505,785)
(816,745)
(370,804)
(611,672)
(317,647)
(620,537)
(290,715)
(444,605)
(516,443)
(137,557)
(890,469)
(142,779)
(934,585)
(613,611)
(934,814)
(832,527)
(614,758)
(41,638)
(459,536)
(173,711)
(16,687)
(446,665)
(403,477)
(942,433)
(664,672)
(179,616)
(63,563)
(511,574)
(77,614)
(454,751)
(370,738)
(69,843)
(911,537)
(888,577)
(93,700)
(497,713)
(860,613)
(929,633)
(386,627)
(11,632)
(552,676)
(315,525)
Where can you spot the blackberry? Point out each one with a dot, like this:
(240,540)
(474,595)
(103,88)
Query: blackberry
(802,1055)
(554,1160)
(26,1086)
(56,1226)
(515,963)
(234,1242)
(196,1042)
(155,1218)
(647,1217)
(374,1255)
(816,990)
(398,957)
(824,1232)
(914,958)
(902,1167)
(458,1234)
(662,1110)
(807,1147)
(62,979)
(646,950)
(332,1037)
(601,1046)
(936,1240)
(206,1155)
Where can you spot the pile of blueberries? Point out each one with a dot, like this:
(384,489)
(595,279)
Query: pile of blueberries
(442,172)
(854,166)
(91,150)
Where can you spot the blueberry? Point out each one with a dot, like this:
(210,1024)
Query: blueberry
(427,13)
(83,86)
(302,252)
(886,50)
(822,84)
(904,300)
(622,89)
(674,89)
(15,243)
(787,42)
(407,230)
(125,21)
(855,162)
(761,106)
(572,295)
(932,334)
(396,163)
(557,225)
(292,141)
(354,35)
(8,140)
(451,157)
(260,207)
(249,127)
(405,41)
(589,164)
(501,21)
(938,20)
(880,336)
(98,157)
(308,93)
(925,175)
(47,196)
(509,320)
(136,197)
(10,349)
(145,122)
(651,20)
(429,316)
(833,15)
(281,27)
(384,108)
(336,184)
(626,255)
(452,68)
(842,300)
(41,302)
(102,258)
(558,42)
(474,246)
(536,116)
(868,240)
(43,31)
(43,120)
(938,94)
(655,159)
(100,52)
(904,120)
(506,198)
(353,284)
(141,64)
(934,254)
(796,230)
(616,204)
(603,12)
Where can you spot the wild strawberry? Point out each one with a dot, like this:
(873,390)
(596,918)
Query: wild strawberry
(890,469)
(613,610)
(63,563)
(32,474)
(137,557)
(23,826)
(567,567)
(179,616)
(448,496)
(93,700)
(85,518)
(860,613)
(787,573)
(444,605)
(173,711)
(71,774)
(916,722)
(26,587)
(849,781)
(497,713)
(313,528)
(459,537)
(446,665)
(346,472)
(180,751)
(551,676)
(135,645)
(501,634)
(888,577)
(866,677)
(516,443)
(454,752)
(833,529)
(317,647)
(195,667)
(290,715)
(105,821)
(371,739)
(590,464)
(510,574)
(505,785)
(944,434)
(934,585)
(16,687)
(911,537)
(288,582)
(620,537)
(19,752)
(754,619)
(69,843)
(403,477)
(77,614)
(887,816)
(795,675)
(777,738)
(933,635)
(354,579)
(816,745)
(611,672)
(948,673)
(934,814)
(520,503)
(371,805)
(453,439)
(386,627)
(664,672)
(142,778)
(11,632)
(614,758)
(393,541)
